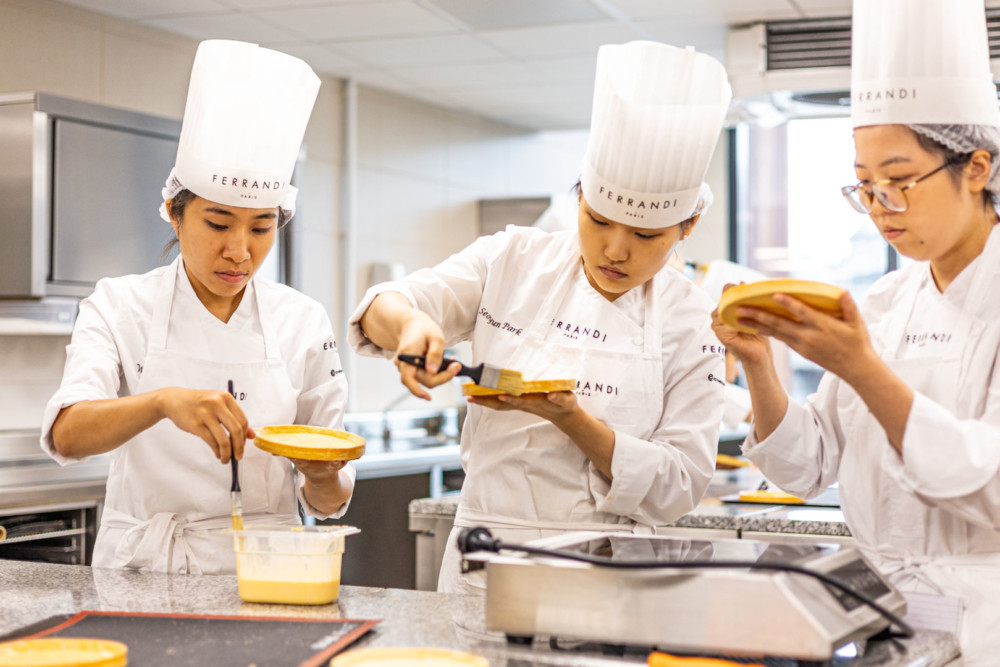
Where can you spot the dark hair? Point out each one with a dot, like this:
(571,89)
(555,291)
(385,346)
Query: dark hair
(180,201)
(577,190)
(956,161)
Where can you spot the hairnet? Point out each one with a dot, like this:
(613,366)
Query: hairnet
(173,186)
(705,199)
(968,138)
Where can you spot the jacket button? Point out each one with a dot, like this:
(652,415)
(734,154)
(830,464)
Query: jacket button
(637,340)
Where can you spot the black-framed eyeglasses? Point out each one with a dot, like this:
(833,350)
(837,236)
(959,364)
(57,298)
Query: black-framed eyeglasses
(890,194)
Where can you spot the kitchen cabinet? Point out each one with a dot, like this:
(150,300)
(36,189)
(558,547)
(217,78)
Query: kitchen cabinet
(384,554)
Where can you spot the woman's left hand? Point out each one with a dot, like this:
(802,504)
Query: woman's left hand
(320,473)
(554,406)
(841,346)
(325,489)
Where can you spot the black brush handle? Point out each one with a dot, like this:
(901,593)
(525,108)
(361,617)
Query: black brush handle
(419,360)
(232,459)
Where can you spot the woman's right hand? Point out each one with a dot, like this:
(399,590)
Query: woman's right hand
(422,336)
(748,348)
(213,416)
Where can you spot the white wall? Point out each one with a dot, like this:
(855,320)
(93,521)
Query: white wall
(421,168)
(421,171)
(60,49)
(30,370)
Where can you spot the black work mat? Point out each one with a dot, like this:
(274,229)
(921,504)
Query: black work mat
(222,641)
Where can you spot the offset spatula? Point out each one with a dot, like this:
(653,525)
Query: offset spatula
(485,375)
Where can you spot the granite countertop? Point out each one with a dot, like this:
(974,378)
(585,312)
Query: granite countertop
(33,592)
(714,514)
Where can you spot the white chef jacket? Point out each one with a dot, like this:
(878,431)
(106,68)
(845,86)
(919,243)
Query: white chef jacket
(521,471)
(107,352)
(930,517)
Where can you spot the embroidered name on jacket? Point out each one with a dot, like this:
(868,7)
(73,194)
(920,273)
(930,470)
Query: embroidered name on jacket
(588,388)
(497,324)
(575,331)
(922,339)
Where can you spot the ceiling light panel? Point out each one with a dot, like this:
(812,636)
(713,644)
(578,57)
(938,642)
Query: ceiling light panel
(494,14)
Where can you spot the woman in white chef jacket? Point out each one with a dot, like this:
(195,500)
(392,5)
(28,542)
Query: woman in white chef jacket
(907,418)
(151,355)
(634,445)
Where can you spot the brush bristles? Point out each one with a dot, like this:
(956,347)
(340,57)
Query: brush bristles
(502,379)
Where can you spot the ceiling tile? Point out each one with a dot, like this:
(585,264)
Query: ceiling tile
(821,8)
(423,50)
(730,11)
(357,21)
(564,40)
(511,99)
(321,58)
(706,36)
(567,70)
(547,120)
(384,80)
(472,75)
(257,5)
(137,9)
(491,14)
(243,27)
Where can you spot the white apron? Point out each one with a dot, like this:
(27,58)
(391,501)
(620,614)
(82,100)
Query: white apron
(168,497)
(508,439)
(871,490)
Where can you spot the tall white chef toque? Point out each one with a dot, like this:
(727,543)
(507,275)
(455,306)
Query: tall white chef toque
(658,113)
(921,62)
(246,113)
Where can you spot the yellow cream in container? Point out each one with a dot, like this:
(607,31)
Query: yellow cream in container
(290,564)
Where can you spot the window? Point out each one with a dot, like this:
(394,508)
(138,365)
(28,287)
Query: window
(792,222)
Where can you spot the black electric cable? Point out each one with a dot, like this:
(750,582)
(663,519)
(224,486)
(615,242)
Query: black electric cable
(480,539)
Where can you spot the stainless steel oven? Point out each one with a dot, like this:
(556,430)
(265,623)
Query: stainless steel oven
(48,512)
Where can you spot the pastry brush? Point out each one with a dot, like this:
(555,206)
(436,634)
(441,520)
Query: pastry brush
(236,493)
(485,375)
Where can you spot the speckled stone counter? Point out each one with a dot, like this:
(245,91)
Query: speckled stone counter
(737,517)
(32,592)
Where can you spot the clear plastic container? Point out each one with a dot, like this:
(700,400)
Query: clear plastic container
(290,564)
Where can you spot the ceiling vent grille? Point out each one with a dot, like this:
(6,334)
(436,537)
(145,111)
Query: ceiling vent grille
(807,44)
(827,42)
